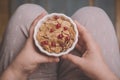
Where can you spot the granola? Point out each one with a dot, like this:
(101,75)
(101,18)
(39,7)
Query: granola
(56,34)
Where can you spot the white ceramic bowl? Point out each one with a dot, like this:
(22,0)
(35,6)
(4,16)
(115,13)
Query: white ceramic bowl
(37,29)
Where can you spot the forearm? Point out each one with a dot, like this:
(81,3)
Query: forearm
(106,75)
(10,74)
(109,76)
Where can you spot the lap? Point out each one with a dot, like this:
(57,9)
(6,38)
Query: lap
(100,26)
(15,37)
(94,19)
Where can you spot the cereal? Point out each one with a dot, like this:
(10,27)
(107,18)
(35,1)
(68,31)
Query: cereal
(56,34)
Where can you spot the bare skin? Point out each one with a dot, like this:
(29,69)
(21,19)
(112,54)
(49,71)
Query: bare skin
(91,63)
(28,59)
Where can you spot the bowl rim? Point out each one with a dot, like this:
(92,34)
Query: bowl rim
(36,29)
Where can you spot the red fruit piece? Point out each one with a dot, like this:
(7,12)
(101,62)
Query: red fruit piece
(67,38)
(51,30)
(65,28)
(62,45)
(58,26)
(60,36)
(56,17)
(44,43)
(53,44)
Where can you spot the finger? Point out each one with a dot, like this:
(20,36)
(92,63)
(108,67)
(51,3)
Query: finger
(74,59)
(78,47)
(89,42)
(53,59)
(35,22)
(79,40)
(47,59)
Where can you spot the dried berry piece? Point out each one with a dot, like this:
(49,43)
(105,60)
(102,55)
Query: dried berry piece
(51,30)
(60,36)
(67,38)
(58,26)
(44,43)
(65,28)
(53,44)
(56,17)
(62,44)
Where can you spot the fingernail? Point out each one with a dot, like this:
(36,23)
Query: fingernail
(57,59)
(44,13)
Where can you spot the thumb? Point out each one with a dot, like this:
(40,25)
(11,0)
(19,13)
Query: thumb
(47,59)
(74,59)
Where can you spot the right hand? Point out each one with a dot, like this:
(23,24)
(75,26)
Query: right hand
(91,62)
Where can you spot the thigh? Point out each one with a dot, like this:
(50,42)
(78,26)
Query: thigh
(15,37)
(100,26)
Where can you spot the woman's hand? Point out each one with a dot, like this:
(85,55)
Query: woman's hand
(28,59)
(91,62)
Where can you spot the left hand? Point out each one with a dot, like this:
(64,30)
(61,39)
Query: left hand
(29,58)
